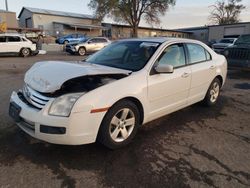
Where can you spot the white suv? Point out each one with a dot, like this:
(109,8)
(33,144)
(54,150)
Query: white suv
(16,44)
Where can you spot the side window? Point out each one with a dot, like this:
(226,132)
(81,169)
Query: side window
(2,39)
(197,53)
(208,55)
(14,39)
(103,40)
(173,55)
(96,40)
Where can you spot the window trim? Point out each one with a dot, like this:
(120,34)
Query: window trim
(188,54)
(152,71)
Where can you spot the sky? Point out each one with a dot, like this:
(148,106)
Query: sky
(186,13)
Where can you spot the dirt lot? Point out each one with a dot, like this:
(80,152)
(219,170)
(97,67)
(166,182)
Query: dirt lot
(195,147)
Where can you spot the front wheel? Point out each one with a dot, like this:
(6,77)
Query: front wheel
(82,51)
(120,125)
(25,52)
(213,93)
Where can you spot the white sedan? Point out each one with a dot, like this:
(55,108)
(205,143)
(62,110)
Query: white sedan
(109,95)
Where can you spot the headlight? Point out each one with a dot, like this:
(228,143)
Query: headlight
(63,105)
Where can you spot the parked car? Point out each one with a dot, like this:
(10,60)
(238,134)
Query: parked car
(222,44)
(72,38)
(211,42)
(110,94)
(87,46)
(16,44)
(238,55)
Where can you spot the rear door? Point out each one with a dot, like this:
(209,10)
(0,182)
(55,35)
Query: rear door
(92,45)
(203,71)
(14,44)
(3,44)
(100,43)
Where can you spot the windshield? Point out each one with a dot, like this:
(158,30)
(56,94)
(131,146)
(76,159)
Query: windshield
(243,39)
(230,41)
(129,55)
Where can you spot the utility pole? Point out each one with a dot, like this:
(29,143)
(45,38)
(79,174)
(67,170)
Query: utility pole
(6,5)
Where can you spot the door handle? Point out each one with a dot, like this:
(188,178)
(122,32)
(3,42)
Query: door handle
(212,67)
(185,75)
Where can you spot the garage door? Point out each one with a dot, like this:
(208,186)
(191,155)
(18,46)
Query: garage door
(230,31)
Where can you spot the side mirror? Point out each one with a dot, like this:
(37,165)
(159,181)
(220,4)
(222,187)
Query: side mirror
(89,42)
(164,68)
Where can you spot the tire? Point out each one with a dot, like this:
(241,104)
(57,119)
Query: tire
(119,125)
(212,93)
(65,42)
(82,51)
(25,52)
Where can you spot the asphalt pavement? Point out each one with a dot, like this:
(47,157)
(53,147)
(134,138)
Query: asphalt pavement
(194,147)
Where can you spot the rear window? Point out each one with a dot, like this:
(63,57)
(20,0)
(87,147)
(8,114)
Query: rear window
(14,39)
(2,39)
(197,53)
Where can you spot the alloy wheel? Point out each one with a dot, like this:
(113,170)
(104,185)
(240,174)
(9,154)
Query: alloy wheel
(214,92)
(122,125)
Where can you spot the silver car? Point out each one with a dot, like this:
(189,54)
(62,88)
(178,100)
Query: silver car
(87,46)
(222,44)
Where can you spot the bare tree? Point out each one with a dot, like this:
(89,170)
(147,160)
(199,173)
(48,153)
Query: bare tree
(131,11)
(226,13)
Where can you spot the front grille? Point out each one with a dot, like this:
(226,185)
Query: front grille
(35,98)
(241,54)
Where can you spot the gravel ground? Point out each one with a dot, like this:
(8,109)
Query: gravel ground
(194,147)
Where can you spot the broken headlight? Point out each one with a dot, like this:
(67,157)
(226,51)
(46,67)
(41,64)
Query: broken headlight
(63,105)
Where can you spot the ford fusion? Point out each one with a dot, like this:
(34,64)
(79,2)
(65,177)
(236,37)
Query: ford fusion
(108,96)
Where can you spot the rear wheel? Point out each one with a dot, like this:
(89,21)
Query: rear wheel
(25,52)
(120,125)
(213,93)
(82,51)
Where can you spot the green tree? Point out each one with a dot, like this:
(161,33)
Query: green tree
(131,11)
(226,13)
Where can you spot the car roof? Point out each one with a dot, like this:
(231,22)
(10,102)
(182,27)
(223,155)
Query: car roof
(11,34)
(160,39)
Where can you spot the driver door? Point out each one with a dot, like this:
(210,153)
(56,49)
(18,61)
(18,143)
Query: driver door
(168,92)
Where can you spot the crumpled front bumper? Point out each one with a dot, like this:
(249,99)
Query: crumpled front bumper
(78,128)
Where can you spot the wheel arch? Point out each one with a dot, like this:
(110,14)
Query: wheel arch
(219,77)
(138,103)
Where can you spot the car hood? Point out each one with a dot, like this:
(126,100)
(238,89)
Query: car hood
(49,76)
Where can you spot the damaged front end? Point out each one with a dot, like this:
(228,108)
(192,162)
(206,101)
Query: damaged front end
(53,79)
(73,88)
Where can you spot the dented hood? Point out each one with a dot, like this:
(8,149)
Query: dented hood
(49,76)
